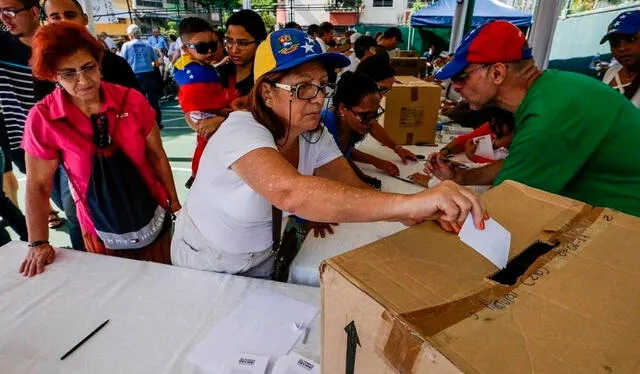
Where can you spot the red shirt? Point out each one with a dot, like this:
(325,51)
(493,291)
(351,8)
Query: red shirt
(485,129)
(48,135)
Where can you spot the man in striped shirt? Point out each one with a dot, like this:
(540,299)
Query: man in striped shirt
(21,18)
(18,90)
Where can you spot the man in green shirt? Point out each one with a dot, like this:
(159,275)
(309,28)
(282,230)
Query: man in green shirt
(574,135)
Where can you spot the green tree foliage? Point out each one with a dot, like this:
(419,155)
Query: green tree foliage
(170,29)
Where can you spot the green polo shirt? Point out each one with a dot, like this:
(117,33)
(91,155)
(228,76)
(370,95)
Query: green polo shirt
(577,137)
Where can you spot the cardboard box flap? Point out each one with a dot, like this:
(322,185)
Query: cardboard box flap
(408,80)
(578,313)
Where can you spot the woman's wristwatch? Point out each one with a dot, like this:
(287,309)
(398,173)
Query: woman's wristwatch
(38,243)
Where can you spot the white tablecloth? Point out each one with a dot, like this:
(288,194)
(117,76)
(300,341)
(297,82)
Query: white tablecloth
(158,314)
(305,267)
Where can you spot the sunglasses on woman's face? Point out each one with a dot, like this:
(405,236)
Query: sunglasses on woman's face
(366,117)
(383,90)
(204,47)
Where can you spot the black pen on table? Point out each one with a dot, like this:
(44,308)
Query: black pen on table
(84,340)
(405,180)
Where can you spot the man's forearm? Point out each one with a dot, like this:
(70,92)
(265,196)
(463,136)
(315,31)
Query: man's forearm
(481,176)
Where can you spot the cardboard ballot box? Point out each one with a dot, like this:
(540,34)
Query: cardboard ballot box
(411,111)
(421,301)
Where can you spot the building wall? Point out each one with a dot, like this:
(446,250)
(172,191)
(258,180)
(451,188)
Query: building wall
(383,15)
(577,38)
(305,12)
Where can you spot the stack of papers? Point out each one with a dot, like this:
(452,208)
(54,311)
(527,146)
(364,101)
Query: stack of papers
(264,324)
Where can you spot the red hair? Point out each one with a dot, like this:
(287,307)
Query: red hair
(56,41)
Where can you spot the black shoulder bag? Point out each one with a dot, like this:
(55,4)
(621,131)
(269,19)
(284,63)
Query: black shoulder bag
(286,249)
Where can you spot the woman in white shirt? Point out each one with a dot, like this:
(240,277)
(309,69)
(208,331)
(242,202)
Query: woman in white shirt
(623,36)
(277,153)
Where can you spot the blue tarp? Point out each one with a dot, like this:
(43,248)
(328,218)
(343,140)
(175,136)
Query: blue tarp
(441,13)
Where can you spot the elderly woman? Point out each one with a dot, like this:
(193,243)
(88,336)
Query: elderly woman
(106,138)
(276,153)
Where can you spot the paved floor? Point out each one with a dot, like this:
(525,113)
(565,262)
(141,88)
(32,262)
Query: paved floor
(179,142)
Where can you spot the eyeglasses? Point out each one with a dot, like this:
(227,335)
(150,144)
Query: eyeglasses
(308,91)
(203,47)
(366,117)
(10,12)
(240,44)
(74,75)
(383,90)
(464,76)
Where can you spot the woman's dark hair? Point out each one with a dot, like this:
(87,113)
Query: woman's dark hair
(352,88)
(501,120)
(252,23)
(376,68)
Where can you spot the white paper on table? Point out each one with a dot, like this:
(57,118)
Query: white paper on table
(246,364)
(295,364)
(261,325)
(493,242)
(485,147)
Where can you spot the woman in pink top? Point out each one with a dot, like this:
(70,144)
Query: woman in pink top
(61,129)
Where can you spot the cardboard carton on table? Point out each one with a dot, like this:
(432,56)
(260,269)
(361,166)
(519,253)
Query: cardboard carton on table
(411,111)
(421,301)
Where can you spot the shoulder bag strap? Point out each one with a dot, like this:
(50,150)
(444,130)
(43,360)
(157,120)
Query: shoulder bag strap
(276,227)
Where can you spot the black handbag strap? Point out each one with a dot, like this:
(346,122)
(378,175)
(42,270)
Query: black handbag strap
(93,141)
(276,227)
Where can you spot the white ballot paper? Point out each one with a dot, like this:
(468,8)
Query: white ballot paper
(295,364)
(260,325)
(493,242)
(246,364)
(485,147)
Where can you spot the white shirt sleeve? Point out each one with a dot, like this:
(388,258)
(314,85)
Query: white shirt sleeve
(323,45)
(237,136)
(326,149)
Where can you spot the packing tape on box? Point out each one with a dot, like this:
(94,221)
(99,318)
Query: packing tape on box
(402,346)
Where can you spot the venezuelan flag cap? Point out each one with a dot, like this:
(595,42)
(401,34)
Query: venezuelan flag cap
(287,48)
(493,42)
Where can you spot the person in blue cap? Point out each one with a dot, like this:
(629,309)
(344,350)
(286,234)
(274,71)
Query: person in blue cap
(623,36)
(563,143)
(275,152)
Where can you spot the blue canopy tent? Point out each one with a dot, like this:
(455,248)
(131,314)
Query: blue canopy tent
(433,24)
(440,14)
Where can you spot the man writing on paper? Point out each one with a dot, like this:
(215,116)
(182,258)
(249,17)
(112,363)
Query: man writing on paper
(562,143)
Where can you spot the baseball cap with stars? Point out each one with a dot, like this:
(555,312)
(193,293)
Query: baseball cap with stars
(627,23)
(288,48)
